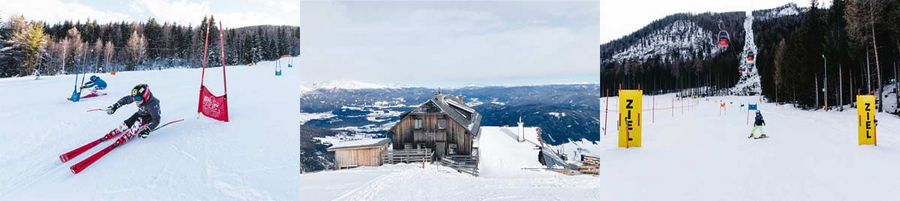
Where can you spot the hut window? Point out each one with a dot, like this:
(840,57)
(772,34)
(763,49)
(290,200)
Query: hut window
(418,123)
(442,124)
(452,150)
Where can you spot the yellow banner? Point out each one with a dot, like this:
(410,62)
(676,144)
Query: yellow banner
(865,110)
(630,118)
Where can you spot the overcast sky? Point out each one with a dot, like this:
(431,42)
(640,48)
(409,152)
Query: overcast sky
(232,13)
(621,17)
(446,44)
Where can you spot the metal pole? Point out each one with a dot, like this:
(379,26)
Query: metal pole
(841,85)
(606,113)
(868,73)
(817,91)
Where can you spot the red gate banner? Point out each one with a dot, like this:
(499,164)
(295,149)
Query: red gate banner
(213,106)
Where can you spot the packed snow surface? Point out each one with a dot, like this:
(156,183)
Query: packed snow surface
(253,157)
(699,152)
(502,177)
(692,150)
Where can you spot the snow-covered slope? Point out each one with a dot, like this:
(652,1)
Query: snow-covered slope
(781,11)
(253,157)
(889,95)
(749,83)
(696,153)
(683,37)
(502,178)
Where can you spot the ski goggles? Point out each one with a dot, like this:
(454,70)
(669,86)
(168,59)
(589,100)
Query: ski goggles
(138,98)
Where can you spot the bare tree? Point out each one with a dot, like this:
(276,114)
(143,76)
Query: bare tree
(137,49)
(108,51)
(861,17)
(75,45)
(96,53)
(779,65)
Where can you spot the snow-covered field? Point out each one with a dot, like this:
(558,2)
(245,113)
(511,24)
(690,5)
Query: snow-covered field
(501,178)
(691,153)
(253,157)
(700,155)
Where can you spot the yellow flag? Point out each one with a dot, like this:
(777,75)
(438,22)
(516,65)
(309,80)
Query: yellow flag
(630,118)
(865,110)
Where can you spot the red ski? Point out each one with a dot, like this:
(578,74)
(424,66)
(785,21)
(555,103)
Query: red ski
(77,151)
(78,167)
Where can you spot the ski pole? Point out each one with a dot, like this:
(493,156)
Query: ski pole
(97,109)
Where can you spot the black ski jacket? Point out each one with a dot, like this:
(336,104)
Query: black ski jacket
(759,121)
(148,108)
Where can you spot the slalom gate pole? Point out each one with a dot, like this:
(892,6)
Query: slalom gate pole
(203,65)
(83,72)
(606,119)
(222,47)
(205,56)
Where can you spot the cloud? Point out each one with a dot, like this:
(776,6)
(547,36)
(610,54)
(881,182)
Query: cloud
(182,12)
(447,44)
(57,11)
(234,13)
(289,6)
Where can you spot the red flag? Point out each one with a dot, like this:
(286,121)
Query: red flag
(213,106)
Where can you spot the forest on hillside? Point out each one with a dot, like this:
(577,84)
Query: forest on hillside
(859,41)
(673,71)
(34,47)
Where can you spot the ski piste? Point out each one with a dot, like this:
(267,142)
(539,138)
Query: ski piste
(88,161)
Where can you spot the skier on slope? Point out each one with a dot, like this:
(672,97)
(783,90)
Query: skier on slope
(148,109)
(758,125)
(95,84)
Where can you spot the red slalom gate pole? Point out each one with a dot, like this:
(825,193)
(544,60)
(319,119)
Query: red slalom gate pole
(606,113)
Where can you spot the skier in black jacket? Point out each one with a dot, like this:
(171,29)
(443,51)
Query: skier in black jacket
(758,125)
(148,109)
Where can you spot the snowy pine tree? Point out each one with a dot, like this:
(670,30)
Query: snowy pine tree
(72,44)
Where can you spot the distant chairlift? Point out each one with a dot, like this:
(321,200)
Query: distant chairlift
(750,56)
(724,39)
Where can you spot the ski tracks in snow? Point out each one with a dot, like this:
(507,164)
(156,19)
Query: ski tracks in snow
(370,189)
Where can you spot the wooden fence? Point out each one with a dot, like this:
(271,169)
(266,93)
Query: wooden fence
(408,156)
(461,163)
